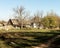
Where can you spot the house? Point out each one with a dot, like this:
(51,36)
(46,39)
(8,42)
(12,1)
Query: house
(16,23)
(37,25)
(13,22)
(26,24)
(2,23)
(34,25)
(41,26)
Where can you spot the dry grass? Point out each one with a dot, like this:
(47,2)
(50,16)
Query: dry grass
(30,30)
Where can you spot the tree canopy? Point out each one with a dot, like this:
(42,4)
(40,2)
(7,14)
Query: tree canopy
(50,20)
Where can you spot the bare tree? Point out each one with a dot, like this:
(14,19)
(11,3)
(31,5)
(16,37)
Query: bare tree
(20,14)
(38,18)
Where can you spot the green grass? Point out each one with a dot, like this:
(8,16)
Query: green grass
(30,30)
(25,40)
(3,44)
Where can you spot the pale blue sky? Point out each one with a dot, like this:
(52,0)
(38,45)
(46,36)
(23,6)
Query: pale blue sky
(6,6)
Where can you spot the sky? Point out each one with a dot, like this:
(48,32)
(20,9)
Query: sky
(6,7)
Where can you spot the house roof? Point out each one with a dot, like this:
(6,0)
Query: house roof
(13,22)
(16,22)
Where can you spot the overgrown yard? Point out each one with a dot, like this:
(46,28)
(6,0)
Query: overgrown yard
(30,30)
(29,39)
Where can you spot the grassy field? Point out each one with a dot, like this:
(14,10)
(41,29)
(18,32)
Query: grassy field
(30,30)
(26,38)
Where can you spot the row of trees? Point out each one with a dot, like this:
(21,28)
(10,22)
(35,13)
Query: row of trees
(51,20)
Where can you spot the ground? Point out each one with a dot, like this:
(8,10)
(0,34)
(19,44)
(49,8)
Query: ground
(22,38)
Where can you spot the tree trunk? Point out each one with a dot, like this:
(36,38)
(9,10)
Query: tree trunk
(22,25)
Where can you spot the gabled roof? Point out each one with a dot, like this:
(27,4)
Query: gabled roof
(13,22)
(16,22)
